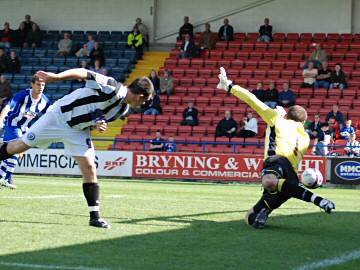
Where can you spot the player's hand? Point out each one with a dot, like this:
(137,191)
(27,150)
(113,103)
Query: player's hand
(223,80)
(101,126)
(47,76)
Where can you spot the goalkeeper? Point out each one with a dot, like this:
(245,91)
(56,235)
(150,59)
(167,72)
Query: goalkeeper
(286,143)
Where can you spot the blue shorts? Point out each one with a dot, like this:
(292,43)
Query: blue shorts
(12,133)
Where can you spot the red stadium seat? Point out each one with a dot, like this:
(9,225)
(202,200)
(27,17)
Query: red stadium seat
(197,63)
(294,37)
(184,63)
(210,63)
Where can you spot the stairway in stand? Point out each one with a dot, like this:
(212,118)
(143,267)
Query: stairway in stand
(151,60)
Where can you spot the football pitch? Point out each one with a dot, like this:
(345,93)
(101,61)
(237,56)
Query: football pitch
(171,225)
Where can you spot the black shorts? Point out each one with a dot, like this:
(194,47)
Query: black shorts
(282,168)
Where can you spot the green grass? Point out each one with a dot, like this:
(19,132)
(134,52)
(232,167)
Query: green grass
(169,225)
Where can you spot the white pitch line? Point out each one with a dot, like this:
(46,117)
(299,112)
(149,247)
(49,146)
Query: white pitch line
(354,255)
(51,197)
(47,266)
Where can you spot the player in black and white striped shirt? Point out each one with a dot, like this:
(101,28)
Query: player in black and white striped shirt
(70,119)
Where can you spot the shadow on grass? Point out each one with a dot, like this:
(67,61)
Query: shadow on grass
(288,241)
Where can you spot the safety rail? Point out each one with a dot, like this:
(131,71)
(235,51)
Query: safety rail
(204,144)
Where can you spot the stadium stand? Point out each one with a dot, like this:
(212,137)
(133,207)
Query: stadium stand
(119,60)
(248,62)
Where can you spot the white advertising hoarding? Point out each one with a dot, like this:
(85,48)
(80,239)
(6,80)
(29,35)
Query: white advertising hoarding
(55,161)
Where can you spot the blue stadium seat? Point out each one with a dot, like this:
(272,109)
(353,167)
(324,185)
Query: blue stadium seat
(109,45)
(51,52)
(94,33)
(8,76)
(27,53)
(40,52)
(72,62)
(78,32)
(76,85)
(131,55)
(23,86)
(53,69)
(66,31)
(47,44)
(60,145)
(51,88)
(111,62)
(64,89)
(29,61)
(63,68)
(123,62)
(18,78)
(117,54)
(56,96)
(59,61)
(36,68)
(78,38)
(121,45)
(14,87)
(46,61)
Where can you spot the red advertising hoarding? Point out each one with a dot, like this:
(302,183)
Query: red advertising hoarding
(226,167)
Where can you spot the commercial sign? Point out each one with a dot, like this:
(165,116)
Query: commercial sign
(55,161)
(345,170)
(225,167)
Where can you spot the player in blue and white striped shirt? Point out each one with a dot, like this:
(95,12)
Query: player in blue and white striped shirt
(21,112)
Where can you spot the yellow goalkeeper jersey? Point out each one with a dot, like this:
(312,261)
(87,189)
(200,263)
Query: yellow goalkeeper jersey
(284,137)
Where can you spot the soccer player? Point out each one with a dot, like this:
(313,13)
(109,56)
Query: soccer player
(286,143)
(70,119)
(21,112)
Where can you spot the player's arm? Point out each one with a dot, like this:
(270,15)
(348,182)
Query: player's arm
(71,74)
(3,114)
(266,113)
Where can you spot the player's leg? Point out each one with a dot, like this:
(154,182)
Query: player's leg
(7,150)
(11,164)
(279,176)
(91,190)
(259,213)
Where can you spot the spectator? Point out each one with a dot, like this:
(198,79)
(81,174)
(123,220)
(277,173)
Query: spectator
(87,47)
(143,30)
(166,83)
(99,68)
(154,78)
(318,56)
(27,23)
(271,96)
(322,141)
(4,61)
(226,31)
(188,48)
(97,53)
(352,147)
(20,36)
(323,77)
(84,64)
(250,126)
(34,37)
(135,40)
(334,128)
(227,127)
(154,107)
(65,45)
(157,144)
(265,31)
(335,113)
(314,127)
(5,91)
(287,97)
(186,29)
(6,36)
(14,65)
(338,78)
(207,39)
(170,145)
(259,92)
(347,130)
(310,73)
(190,116)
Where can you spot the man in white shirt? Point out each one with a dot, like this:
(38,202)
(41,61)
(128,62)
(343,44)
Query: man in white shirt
(352,147)
(309,75)
(250,127)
